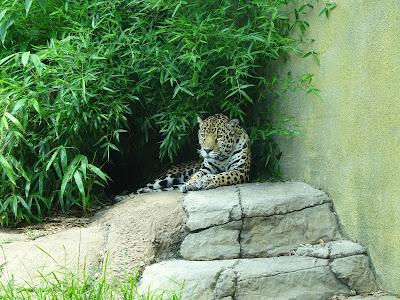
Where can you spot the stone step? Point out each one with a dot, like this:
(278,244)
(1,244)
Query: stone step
(375,296)
(285,277)
(262,241)
(256,220)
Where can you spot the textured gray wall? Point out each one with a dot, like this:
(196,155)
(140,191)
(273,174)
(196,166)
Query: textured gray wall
(352,144)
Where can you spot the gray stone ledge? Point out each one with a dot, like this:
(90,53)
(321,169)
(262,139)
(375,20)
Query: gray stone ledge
(267,199)
(212,207)
(260,278)
(355,272)
(218,242)
(336,249)
(279,234)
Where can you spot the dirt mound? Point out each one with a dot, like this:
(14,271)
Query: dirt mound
(137,231)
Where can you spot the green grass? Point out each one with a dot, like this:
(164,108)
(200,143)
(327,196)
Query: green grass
(34,234)
(64,284)
(73,287)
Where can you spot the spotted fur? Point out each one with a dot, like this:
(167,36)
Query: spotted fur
(173,178)
(224,147)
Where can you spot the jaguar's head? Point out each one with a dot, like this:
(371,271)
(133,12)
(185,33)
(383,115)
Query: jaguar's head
(216,136)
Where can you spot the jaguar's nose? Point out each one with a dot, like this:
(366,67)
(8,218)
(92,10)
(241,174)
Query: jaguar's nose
(207,150)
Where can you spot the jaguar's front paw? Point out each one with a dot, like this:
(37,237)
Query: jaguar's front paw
(187,187)
(207,182)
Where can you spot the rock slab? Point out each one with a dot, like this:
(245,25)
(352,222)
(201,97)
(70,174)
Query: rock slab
(256,220)
(287,277)
(135,232)
(355,272)
(235,239)
(219,242)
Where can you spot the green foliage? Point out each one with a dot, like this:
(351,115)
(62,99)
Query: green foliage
(327,9)
(63,283)
(76,76)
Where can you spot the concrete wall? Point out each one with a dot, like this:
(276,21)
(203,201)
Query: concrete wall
(352,144)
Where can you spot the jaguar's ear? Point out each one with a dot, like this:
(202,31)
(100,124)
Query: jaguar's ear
(233,123)
(199,120)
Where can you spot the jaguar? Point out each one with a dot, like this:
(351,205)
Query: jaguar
(226,158)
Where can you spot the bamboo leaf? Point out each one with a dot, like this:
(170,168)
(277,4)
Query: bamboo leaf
(79,183)
(25,58)
(98,172)
(187,91)
(8,169)
(84,164)
(246,95)
(40,181)
(64,182)
(14,205)
(64,160)
(27,188)
(18,166)
(235,91)
(28,4)
(42,4)
(53,157)
(37,63)
(20,103)
(14,120)
(4,121)
(3,33)
(324,11)
(2,13)
(24,204)
(176,90)
(37,107)
(112,146)
(7,58)
(58,170)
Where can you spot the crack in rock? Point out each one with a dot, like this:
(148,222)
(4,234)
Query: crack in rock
(282,273)
(284,212)
(241,228)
